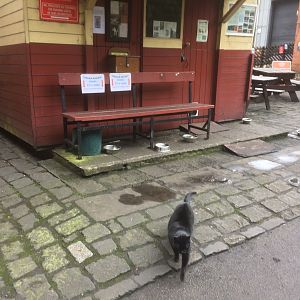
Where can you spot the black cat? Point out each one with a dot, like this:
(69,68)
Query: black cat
(180,230)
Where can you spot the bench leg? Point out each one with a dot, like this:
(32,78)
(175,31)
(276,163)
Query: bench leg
(189,122)
(266,96)
(208,123)
(134,131)
(151,133)
(65,121)
(294,97)
(79,155)
(248,100)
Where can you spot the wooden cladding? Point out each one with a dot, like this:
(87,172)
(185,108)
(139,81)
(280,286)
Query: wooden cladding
(15,94)
(232,84)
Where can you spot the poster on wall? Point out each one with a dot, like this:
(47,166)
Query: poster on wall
(59,10)
(120,82)
(99,20)
(164,29)
(92,83)
(202,31)
(243,21)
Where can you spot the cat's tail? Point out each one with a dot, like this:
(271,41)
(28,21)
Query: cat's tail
(188,197)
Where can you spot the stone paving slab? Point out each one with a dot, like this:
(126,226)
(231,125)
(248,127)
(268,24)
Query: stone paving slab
(72,283)
(108,268)
(35,287)
(117,290)
(107,206)
(145,256)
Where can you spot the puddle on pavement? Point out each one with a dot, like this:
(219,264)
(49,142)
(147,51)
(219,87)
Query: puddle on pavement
(129,199)
(237,168)
(207,178)
(287,158)
(294,181)
(148,192)
(264,165)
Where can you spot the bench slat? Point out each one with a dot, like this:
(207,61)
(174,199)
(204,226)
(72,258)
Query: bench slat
(128,113)
(269,90)
(71,79)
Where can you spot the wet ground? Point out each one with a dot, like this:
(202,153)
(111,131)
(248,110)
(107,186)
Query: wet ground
(63,236)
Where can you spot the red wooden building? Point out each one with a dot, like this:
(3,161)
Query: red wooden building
(39,39)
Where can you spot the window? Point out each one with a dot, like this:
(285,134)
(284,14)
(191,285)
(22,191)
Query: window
(117,21)
(243,21)
(163,23)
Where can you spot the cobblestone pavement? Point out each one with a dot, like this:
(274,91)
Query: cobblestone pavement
(63,237)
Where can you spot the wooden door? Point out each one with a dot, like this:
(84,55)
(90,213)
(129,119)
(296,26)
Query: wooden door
(202,57)
(199,57)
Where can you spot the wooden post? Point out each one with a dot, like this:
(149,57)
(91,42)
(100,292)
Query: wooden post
(296,54)
(89,49)
(232,10)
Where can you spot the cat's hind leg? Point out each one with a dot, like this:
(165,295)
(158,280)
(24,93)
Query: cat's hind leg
(185,261)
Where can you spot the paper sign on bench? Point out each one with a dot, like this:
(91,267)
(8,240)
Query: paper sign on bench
(120,82)
(92,83)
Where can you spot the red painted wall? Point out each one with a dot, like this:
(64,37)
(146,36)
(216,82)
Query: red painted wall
(232,84)
(15,92)
(47,60)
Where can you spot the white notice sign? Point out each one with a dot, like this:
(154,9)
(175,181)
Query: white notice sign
(202,31)
(120,82)
(92,83)
(99,20)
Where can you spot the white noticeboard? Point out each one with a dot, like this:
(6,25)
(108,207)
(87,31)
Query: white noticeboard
(92,83)
(202,31)
(99,20)
(120,82)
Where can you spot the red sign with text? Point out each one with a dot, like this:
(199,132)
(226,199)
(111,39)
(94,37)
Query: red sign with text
(59,10)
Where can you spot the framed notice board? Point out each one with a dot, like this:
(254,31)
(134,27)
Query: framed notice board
(243,21)
(117,21)
(59,10)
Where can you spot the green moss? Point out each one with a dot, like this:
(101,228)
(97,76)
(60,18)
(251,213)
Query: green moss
(4,274)
(72,225)
(40,237)
(54,258)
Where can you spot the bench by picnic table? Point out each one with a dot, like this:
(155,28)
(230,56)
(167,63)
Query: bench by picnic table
(284,80)
(133,115)
(260,84)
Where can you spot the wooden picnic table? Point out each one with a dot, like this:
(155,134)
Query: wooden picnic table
(284,80)
(263,82)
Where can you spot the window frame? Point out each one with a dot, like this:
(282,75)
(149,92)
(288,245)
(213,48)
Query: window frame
(153,42)
(108,25)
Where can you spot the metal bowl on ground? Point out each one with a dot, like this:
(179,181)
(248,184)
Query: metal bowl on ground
(190,138)
(111,149)
(246,120)
(162,147)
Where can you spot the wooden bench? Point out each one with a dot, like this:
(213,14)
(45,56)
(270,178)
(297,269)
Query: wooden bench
(134,115)
(260,85)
